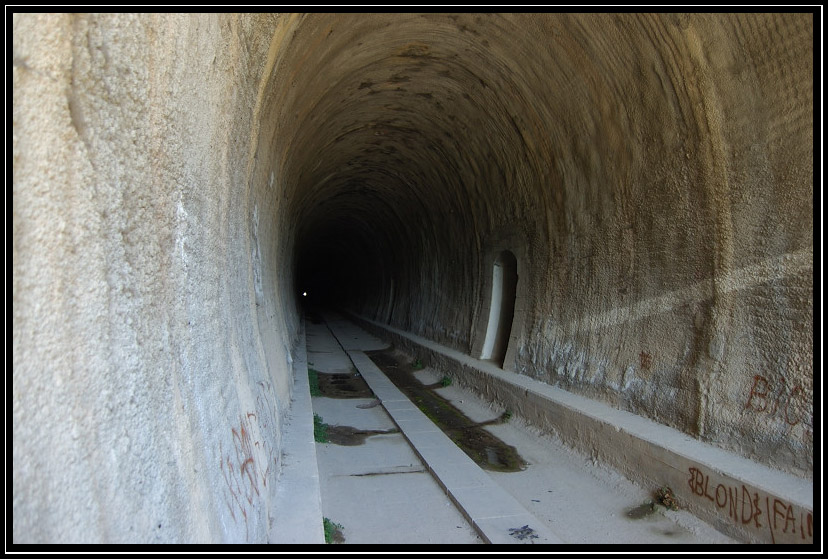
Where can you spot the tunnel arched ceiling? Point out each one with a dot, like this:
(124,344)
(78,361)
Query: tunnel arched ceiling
(640,163)
(405,121)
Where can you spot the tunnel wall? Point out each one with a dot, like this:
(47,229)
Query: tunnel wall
(655,169)
(151,341)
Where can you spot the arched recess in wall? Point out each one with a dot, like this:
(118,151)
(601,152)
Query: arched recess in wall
(501,308)
(505,252)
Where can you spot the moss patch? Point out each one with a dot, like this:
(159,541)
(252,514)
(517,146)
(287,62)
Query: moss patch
(320,429)
(313,380)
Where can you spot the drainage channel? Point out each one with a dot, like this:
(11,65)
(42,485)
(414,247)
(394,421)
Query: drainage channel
(487,451)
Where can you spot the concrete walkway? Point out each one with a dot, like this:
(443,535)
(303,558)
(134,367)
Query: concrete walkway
(411,484)
(744,499)
(297,510)
(379,491)
(491,510)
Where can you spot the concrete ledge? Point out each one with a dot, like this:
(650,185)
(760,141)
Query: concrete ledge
(297,510)
(743,499)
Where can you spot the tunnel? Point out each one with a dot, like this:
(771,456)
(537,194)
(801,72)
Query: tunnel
(616,205)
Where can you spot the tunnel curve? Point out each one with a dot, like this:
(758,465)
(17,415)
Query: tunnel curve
(600,145)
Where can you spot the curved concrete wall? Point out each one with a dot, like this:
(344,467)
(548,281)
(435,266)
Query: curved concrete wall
(150,338)
(175,175)
(656,172)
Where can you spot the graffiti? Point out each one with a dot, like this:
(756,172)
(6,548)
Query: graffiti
(239,471)
(251,461)
(267,419)
(775,399)
(244,456)
(746,506)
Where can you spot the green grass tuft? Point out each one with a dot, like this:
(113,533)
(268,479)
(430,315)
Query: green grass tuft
(320,429)
(330,529)
(313,380)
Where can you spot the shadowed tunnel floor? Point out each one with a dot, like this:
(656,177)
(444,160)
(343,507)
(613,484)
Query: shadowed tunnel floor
(382,491)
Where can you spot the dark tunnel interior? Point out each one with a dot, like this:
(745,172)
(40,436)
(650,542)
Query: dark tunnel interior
(399,164)
(591,147)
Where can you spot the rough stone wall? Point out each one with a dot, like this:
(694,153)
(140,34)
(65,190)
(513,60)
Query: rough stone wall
(680,277)
(149,366)
(657,170)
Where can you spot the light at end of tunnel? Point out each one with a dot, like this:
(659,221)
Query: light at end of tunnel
(304,294)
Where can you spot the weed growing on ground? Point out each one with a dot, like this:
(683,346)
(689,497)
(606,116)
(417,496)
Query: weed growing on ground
(665,497)
(313,380)
(331,529)
(507,415)
(445,381)
(417,365)
(320,429)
